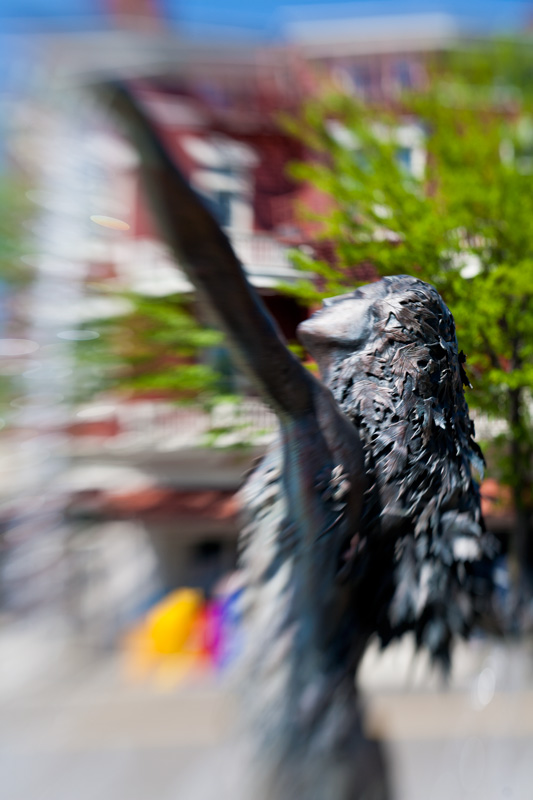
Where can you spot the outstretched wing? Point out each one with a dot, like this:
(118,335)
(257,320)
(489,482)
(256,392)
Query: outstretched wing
(321,460)
(204,252)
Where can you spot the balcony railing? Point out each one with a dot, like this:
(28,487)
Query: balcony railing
(259,252)
(155,425)
(146,266)
(166,426)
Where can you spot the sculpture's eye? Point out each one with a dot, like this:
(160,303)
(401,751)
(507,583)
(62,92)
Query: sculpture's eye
(330,301)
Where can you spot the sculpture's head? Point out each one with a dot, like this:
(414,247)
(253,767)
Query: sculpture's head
(343,323)
(388,352)
(350,322)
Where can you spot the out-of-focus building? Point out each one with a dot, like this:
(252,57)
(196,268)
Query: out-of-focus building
(143,504)
(135,477)
(220,125)
(375,57)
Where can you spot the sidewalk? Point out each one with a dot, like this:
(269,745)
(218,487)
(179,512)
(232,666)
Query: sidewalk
(77,729)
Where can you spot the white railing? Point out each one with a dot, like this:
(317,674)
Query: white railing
(146,267)
(259,251)
(165,426)
(488,428)
(149,423)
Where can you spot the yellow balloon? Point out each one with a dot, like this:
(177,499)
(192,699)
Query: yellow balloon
(171,622)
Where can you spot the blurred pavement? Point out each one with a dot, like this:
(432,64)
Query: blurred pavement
(75,727)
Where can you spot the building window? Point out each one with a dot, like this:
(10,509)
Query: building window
(224,177)
(209,560)
(220,205)
(403,74)
(404,158)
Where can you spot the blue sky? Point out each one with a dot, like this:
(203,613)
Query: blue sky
(267,16)
(264,18)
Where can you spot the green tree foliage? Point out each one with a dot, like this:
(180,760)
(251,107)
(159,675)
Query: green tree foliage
(155,347)
(14,212)
(15,275)
(464,222)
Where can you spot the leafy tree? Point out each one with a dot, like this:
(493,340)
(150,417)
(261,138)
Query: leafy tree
(158,348)
(155,347)
(15,275)
(14,211)
(464,222)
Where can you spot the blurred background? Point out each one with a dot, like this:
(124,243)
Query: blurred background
(126,431)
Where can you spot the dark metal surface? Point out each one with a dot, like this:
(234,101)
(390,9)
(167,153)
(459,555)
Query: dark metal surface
(363,519)
(388,351)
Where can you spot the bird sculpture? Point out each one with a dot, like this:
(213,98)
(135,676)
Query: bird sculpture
(363,519)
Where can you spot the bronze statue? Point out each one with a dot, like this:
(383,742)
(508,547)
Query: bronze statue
(364,518)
